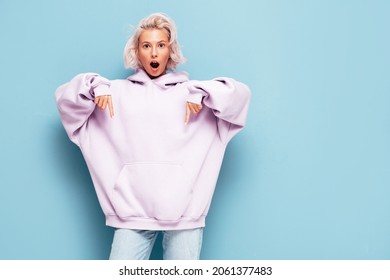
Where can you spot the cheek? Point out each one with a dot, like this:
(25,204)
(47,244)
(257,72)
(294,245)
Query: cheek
(167,55)
(141,58)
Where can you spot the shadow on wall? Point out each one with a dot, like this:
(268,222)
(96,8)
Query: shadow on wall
(97,237)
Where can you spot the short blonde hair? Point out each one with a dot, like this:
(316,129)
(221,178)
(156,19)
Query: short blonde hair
(153,21)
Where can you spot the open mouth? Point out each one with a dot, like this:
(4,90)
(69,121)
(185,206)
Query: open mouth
(154,64)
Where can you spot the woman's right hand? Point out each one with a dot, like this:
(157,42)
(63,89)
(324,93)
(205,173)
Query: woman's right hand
(103,101)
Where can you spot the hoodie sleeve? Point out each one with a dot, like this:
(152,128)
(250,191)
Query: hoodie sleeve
(75,101)
(229,101)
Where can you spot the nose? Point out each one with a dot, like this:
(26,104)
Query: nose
(154,52)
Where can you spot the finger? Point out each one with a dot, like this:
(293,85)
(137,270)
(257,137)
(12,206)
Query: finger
(110,107)
(191,108)
(188,113)
(104,102)
(195,108)
(96,100)
(100,102)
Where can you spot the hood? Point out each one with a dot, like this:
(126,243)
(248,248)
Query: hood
(164,81)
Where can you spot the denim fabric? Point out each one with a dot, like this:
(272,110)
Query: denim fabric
(129,244)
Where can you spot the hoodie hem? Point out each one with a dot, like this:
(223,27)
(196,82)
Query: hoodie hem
(154,224)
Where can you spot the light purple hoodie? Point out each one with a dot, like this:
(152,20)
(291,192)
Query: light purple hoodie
(149,169)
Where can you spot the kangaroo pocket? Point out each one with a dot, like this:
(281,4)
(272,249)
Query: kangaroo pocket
(151,190)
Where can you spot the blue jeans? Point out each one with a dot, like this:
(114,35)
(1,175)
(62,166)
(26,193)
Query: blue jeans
(130,244)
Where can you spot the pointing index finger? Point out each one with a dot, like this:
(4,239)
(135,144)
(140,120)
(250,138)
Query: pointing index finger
(188,112)
(110,107)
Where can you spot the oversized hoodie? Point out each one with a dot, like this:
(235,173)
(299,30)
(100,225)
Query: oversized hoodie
(150,170)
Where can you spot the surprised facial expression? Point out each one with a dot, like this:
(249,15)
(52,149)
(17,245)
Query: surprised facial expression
(153,51)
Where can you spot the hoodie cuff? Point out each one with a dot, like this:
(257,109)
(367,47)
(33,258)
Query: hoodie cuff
(195,98)
(196,94)
(101,90)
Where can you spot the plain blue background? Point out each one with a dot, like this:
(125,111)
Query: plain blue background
(308,178)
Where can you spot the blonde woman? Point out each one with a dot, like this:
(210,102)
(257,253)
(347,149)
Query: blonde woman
(154,142)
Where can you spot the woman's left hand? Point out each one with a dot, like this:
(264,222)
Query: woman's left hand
(192,108)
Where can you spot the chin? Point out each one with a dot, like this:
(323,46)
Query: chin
(155,74)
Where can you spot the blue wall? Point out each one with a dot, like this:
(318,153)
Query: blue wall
(309,177)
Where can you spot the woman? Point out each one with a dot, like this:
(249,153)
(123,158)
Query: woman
(154,142)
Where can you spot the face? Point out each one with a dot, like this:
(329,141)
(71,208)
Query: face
(154,51)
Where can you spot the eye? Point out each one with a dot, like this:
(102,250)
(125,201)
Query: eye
(161,45)
(146,46)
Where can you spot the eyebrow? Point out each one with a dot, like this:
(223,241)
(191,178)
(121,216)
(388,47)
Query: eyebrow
(162,41)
